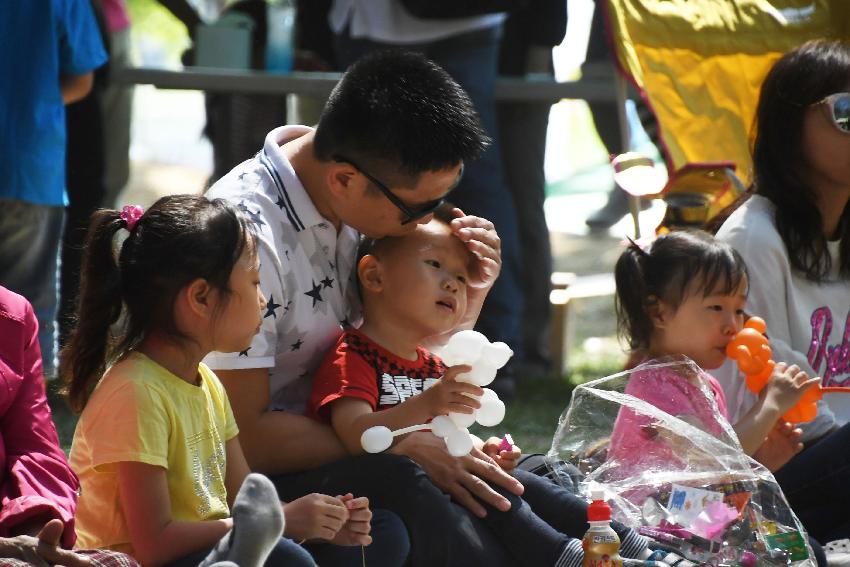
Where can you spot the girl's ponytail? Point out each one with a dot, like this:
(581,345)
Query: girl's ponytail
(633,321)
(85,357)
(179,239)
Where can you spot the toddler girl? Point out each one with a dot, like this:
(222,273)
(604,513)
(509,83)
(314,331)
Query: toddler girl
(685,296)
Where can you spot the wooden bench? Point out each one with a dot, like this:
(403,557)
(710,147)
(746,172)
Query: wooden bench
(566,288)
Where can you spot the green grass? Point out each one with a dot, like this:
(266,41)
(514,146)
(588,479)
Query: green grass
(531,417)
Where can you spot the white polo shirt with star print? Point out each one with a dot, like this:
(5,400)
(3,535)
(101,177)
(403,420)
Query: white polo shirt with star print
(306,273)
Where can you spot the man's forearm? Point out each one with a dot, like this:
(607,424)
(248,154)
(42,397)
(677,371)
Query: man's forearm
(280,442)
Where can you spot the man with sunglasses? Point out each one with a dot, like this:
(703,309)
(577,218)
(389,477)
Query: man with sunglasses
(389,148)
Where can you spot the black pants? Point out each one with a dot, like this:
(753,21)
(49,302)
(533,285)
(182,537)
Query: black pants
(815,484)
(286,553)
(444,533)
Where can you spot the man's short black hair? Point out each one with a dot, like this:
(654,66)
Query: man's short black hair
(396,108)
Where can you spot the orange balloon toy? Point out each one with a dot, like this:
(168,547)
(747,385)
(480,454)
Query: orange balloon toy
(751,350)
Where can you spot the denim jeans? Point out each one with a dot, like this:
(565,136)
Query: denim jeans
(471,59)
(30,243)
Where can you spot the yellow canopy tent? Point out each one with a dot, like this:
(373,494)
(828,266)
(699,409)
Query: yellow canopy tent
(700,63)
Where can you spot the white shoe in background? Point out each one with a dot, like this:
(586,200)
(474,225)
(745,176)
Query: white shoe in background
(838,553)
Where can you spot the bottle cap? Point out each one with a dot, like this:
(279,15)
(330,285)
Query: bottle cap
(599,510)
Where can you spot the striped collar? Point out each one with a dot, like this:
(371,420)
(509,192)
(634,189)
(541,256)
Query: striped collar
(291,197)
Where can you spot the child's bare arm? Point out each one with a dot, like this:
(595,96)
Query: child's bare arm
(350,417)
(237,468)
(781,445)
(786,386)
(156,537)
(76,87)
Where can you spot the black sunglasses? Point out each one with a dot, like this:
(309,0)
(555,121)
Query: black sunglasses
(839,110)
(410,215)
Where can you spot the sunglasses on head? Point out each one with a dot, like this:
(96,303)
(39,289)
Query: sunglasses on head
(410,215)
(839,110)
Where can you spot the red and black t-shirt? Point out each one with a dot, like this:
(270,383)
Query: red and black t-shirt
(359,368)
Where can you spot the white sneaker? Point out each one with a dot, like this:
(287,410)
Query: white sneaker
(838,553)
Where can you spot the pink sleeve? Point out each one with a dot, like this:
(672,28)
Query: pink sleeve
(719,395)
(633,444)
(37,481)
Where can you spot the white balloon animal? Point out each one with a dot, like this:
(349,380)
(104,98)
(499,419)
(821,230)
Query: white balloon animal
(485,358)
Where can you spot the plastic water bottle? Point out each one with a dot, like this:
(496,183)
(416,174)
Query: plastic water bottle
(280,36)
(601,544)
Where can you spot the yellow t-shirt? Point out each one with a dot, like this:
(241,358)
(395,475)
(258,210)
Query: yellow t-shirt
(141,412)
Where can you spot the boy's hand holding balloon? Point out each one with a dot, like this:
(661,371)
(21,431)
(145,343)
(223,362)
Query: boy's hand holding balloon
(483,358)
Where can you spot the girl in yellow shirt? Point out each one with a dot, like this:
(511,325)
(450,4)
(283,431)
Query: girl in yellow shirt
(162,473)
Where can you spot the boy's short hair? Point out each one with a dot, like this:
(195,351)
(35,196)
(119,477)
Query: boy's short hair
(443,214)
(397,113)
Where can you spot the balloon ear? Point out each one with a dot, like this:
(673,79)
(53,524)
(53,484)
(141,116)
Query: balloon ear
(756,323)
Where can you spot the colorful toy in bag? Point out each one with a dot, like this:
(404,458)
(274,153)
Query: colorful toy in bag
(485,358)
(751,350)
(687,485)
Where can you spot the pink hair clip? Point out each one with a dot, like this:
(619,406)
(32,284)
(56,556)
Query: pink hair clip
(131,215)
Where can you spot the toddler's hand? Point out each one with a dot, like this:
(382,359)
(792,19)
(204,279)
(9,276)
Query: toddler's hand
(787,385)
(356,530)
(780,446)
(448,395)
(315,516)
(506,459)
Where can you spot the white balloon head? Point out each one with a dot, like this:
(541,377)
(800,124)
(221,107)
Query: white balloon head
(485,358)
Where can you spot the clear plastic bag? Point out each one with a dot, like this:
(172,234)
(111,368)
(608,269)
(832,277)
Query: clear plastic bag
(655,440)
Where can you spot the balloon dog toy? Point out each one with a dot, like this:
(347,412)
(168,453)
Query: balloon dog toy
(485,358)
(751,350)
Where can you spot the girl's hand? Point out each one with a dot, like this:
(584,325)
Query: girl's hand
(787,385)
(356,529)
(780,446)
(315,516)
(448,395)
(507,460)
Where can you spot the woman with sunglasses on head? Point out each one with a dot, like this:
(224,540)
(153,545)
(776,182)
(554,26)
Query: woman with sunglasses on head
(793,231)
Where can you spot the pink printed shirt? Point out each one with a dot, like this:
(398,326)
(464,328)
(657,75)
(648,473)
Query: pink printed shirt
(634,446)
(35,479)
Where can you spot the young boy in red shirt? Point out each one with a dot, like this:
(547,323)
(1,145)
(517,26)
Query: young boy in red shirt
(414,287)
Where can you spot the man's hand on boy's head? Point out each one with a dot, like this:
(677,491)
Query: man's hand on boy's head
(507,460)
(466,478)
(482,240)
